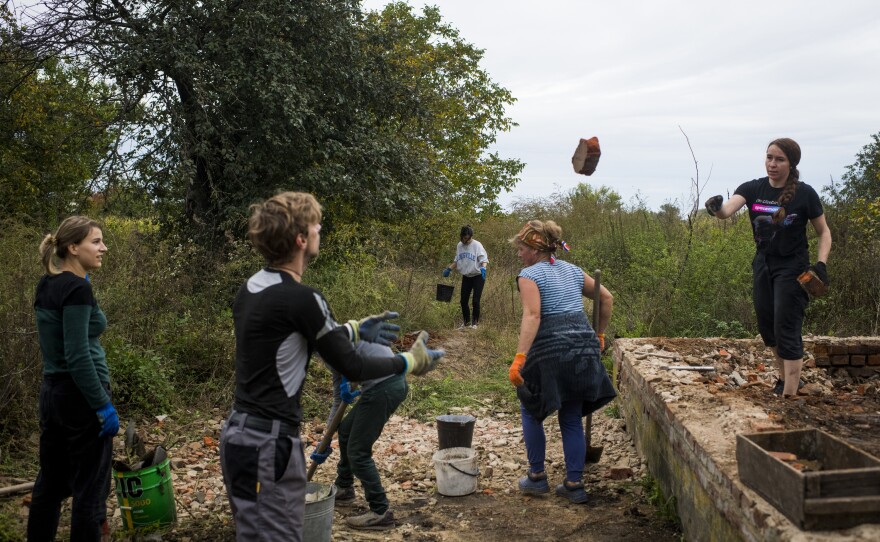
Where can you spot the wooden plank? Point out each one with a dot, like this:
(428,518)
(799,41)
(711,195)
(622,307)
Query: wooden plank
(843,483)
(843,505)
(780,485)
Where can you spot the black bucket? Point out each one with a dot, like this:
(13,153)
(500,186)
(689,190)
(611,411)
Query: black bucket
(444,292)
(455,431)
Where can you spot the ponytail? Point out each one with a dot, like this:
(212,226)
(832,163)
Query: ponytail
(53,248)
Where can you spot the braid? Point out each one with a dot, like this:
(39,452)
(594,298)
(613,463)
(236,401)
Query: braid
(787,194)
(793,152)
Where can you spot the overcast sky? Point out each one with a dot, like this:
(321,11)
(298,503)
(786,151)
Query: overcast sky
(732,75)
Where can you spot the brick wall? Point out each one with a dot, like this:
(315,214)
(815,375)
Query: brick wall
(853,353)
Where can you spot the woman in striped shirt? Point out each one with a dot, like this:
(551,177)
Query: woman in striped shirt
(558,366)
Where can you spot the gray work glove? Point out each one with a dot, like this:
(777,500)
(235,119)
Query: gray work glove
(713,204)
(375,328)
(420,359)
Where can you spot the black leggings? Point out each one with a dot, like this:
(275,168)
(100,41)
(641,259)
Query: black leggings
(780,303)
(469,284)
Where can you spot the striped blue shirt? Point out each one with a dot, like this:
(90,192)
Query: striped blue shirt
(560,284)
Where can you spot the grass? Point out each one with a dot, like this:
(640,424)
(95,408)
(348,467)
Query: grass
(665,506)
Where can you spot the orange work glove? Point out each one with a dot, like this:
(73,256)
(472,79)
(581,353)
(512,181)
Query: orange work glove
(601,342)
(518,361)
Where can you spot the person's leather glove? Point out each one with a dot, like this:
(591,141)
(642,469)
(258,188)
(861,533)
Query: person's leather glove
(446,271)
(345,392)
(420,359)
(319,458)
(109,420)
(483,272)
(515,368)
(821,272)
(375,328)
(713,204)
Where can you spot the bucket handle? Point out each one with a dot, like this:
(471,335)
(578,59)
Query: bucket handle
(465,472)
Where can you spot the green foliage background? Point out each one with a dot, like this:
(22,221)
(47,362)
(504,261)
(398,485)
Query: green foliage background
(418,138)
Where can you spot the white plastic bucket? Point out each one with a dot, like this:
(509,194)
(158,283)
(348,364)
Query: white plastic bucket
(457,471)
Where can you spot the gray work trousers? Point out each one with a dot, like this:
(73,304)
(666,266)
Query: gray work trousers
(265,477)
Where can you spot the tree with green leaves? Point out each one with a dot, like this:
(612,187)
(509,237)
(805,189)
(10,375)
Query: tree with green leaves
(237,100)
(54,133)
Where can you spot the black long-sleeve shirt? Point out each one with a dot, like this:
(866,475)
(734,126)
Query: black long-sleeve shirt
(278,324)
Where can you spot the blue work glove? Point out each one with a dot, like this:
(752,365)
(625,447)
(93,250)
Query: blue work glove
(319,458)
(109,420)
(483,272)
(420,359)
(375,329)
(446,271)
(345,392)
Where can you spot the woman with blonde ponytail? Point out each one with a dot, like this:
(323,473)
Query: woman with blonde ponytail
(77,418)
(780,206)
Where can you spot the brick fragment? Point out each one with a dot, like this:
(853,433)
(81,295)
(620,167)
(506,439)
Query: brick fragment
(763,427)
(784,456)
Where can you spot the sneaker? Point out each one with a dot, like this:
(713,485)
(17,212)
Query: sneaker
(780,385)
(344,495)
(372,521)
(575,494)
(474,326)
(534,484)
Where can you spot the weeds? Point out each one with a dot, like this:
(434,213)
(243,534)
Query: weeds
(665,506)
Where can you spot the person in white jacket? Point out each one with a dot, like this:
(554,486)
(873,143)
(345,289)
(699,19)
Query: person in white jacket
(471,261)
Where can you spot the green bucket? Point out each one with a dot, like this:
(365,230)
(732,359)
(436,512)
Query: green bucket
(146,497)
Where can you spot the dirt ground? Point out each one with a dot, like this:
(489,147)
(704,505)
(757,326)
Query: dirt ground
(619,507)
(831,399)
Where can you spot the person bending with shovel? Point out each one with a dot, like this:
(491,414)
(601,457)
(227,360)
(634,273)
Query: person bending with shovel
(279,323)
(358,432)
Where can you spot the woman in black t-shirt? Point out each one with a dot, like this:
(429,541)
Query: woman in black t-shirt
(780,205)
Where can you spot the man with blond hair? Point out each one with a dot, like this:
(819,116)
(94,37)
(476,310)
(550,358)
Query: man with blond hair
(279,323)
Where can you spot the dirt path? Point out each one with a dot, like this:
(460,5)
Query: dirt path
(618,509)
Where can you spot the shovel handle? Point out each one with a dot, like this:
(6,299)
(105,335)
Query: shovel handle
(597,296)
(328,437)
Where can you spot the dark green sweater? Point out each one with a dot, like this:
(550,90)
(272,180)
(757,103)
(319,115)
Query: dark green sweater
(69,323)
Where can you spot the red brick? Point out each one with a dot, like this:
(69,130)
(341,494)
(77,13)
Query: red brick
(820,349)
(823,361)
(857,361)
(874,359)
(837,349)
(860,349)
(840,360)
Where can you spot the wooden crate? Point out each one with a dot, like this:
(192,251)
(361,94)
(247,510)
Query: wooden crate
(844,493)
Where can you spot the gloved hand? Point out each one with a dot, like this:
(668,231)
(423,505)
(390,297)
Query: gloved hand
(514,374)
(345,392)
(601,341)
(713,204)
(765,229)
(375,329)
(319,458)
(420,359)
(483,272)
(446,271)
(821,272)
(109,420)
